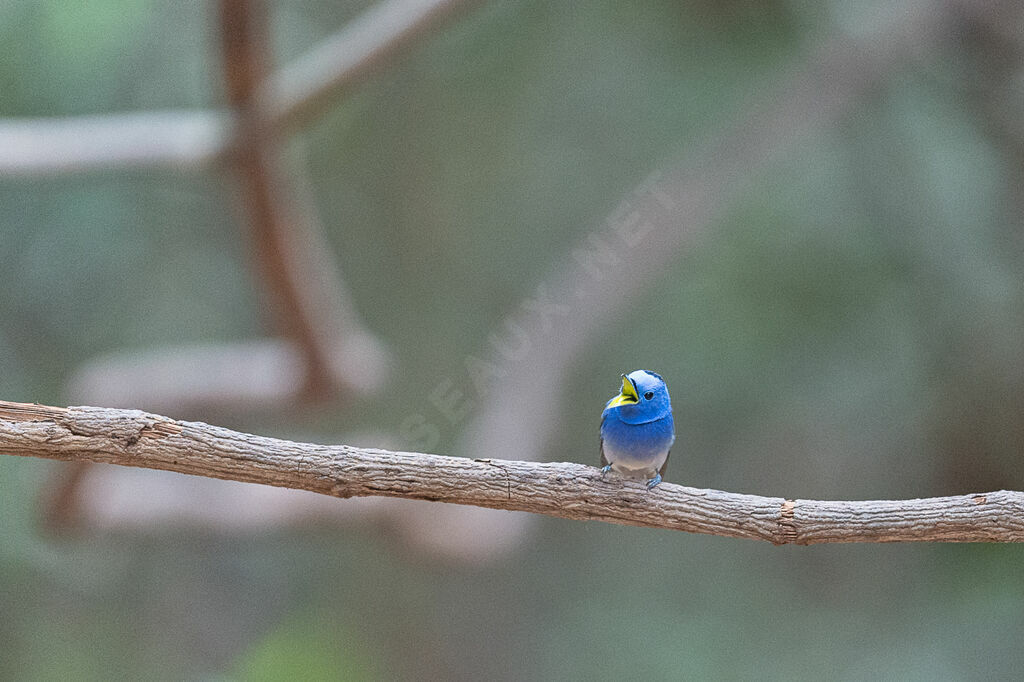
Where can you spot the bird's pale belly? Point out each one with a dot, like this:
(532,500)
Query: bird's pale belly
(635,462)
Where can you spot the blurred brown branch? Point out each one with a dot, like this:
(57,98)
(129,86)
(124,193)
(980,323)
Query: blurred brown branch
(562,489)
(312,307)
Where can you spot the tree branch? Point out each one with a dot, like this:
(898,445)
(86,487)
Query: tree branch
(197,140)
(302,90)
(562,489)
(312,308)
(179,140)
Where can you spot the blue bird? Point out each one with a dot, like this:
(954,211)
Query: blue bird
(636,428)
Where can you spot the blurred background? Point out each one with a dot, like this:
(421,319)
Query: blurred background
(344,222)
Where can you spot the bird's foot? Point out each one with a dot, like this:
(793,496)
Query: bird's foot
(605,469)
(654,481)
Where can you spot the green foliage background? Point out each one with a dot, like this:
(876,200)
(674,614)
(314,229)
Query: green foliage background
(851,329)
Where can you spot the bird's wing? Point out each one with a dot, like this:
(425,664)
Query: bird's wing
(661,471)
(604,462)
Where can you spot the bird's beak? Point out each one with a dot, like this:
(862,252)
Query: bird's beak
(628,396)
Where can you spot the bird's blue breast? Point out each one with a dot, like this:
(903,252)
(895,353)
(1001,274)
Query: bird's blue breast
(636,445)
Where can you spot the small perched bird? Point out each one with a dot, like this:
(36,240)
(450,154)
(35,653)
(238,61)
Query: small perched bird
(636,428)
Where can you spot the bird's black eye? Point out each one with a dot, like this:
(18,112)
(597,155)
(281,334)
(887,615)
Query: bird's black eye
(649,395)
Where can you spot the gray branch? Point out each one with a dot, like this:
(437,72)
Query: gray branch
(196,140)
(305,88)
(562,489)
(178,140)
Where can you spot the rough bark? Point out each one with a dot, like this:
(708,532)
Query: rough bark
(562,489)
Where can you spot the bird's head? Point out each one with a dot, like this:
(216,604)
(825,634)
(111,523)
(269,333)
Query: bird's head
(644,398)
